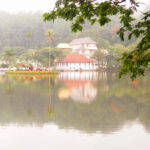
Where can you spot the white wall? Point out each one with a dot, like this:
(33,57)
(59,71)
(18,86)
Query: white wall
(85,49)
(76,66)
(90,46)
(73,75)
(85,46)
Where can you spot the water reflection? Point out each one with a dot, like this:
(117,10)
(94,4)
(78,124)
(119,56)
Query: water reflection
(85,101)
(78,86)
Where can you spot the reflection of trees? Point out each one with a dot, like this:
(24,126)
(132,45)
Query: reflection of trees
(110,110)
(107,115)
(8,86)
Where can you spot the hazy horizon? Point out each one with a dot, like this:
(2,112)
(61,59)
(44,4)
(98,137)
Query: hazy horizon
(17,6)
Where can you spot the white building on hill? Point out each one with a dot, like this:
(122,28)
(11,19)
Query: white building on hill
(85,46)
(63,46)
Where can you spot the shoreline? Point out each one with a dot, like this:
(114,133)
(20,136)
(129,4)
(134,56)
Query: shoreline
(33,72)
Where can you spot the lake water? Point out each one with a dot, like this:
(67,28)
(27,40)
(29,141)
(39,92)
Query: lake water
(74,111)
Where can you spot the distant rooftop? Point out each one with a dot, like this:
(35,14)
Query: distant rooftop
(82,40)
(63,46)
(76,58)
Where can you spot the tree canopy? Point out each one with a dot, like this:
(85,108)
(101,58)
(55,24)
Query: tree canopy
(97,11)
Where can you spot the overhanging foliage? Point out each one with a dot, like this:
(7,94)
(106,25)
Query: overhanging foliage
(96,11)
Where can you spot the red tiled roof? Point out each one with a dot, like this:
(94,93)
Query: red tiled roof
(75,83)
(76,58)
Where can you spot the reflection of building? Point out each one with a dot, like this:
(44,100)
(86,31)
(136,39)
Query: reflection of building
(63,93)
(79,86)
(80,91)
(84,94)
(76,62)
(82,76)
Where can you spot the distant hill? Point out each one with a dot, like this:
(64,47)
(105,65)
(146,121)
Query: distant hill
(14,29)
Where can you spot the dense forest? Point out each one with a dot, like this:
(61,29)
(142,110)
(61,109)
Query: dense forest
(14,29)
(24,34)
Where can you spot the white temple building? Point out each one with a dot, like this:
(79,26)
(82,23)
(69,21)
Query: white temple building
(85,46)
(76,62)
(80,58)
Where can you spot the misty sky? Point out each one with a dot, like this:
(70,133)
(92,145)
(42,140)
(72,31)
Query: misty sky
(26,5)
(32,5)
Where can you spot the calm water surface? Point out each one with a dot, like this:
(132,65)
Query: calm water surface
(74,111)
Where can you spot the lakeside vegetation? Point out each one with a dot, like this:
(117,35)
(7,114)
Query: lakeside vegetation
(23,40)
(134,24)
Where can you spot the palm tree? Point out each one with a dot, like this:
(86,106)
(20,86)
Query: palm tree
(8,55)
(49,36)
(29,35)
